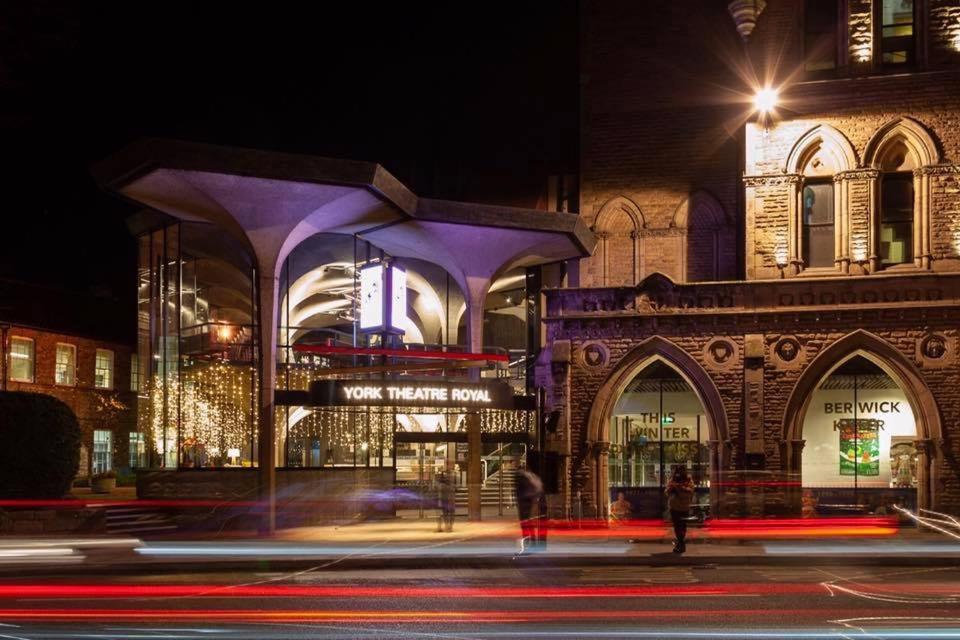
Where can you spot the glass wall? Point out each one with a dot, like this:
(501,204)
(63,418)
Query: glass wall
(658,423)
(859,454)
(196,350)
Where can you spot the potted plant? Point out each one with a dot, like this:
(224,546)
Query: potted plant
(104,482)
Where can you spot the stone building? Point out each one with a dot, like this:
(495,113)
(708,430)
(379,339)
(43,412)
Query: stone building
(773,301)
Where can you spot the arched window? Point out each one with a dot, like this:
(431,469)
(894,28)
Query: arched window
(819,158)
(896,205)
(709,244)
(901,217)
(616,262)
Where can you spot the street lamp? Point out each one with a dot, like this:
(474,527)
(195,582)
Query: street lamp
(766,99)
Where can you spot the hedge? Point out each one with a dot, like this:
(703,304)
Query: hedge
(39,446)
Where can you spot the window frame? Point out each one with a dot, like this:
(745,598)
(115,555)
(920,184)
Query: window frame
(916,52)
(111,370)
(73,362)
(135,382)
(838,41)
(33,360)
(908,178)
(804,251)
(95,454)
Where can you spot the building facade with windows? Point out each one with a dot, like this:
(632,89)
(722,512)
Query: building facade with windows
(774,298)
(96,378)
(310,330)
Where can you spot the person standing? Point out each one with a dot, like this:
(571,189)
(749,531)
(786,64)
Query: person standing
(679,499)
(530,495)
(446,501)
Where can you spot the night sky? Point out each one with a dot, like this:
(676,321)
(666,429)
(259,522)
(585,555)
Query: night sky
(473,106)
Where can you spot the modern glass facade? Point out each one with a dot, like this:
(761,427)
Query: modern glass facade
(197,355)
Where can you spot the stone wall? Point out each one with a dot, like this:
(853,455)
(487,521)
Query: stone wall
(601,328)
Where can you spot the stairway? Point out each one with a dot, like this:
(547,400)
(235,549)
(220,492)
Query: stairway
(132,520)
(490,493)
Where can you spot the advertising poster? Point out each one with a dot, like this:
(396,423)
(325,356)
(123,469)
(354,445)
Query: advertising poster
(859,458)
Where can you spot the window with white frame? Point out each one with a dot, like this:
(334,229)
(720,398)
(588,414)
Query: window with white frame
(102,450)
(66,365)
(21,359)
(103,369)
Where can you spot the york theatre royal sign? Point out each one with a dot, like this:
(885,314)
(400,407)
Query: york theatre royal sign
(417,393)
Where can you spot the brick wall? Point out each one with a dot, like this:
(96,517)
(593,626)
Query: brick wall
(83,397)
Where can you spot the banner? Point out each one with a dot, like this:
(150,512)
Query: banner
(859,446)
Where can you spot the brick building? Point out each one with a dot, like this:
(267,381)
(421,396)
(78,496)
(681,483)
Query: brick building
(92,371)
(774,294)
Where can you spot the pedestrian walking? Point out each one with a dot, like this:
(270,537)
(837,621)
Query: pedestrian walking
(530,499)
(446,502)
(679,498)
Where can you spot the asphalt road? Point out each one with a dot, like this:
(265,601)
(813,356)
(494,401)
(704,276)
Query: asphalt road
(521,602)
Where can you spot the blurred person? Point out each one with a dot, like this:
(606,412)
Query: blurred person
(621,509)
(446,502)
(679,498)
(530,498)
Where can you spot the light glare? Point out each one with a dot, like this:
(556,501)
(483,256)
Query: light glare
(766,99)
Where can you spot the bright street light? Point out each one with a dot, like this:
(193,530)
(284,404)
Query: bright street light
(766,99)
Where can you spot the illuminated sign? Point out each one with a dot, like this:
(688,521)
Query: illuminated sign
(416,393)
(383,298)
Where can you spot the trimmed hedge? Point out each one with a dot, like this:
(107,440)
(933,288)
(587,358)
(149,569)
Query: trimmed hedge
(39,446)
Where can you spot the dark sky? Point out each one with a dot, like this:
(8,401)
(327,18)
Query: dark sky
(479,105)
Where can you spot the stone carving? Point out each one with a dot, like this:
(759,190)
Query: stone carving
(934,347)
(721,353)
(594,355)
(787,353)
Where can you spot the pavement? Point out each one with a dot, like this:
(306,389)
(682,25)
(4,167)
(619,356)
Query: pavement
(415,543)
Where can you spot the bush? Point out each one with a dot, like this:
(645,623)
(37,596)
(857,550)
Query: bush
(39,446)
(105,475)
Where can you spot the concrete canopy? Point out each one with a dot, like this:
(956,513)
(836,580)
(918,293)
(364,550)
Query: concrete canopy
(273,201)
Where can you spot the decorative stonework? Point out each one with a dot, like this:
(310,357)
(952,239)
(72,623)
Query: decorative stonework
(787,353)
(773,180)
(594,355)
(936,351)
(721,353)
(857,174)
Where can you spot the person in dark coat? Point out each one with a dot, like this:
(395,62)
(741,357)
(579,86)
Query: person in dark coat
(530,498)
(679,499)
(446,502)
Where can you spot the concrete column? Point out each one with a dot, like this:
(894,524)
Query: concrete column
(475,472)
(267,293)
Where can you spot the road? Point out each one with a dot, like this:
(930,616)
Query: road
(522,602)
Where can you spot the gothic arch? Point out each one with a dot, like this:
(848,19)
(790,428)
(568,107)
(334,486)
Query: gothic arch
(706,231)
(618,256)
(917,139)
(904,373)
(825,140)
(881,353)
(653,349)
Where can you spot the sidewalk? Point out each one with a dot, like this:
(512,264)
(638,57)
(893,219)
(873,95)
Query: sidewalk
(416,544)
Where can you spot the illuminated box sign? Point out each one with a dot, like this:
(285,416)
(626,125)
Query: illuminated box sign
(383,299)
(416,393)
